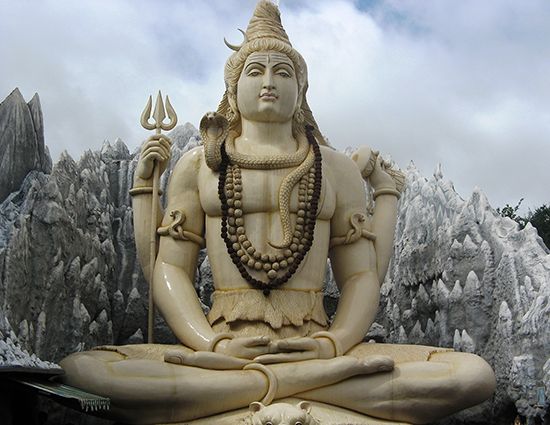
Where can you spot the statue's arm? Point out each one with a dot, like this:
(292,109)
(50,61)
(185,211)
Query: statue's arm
(354,270)
(387,184)
(360,261)
(176,263)
(155,149)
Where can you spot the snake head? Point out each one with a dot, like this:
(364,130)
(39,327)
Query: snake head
(358,218)
(213,126)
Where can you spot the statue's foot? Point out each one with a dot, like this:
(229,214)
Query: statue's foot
(376,364)
(205,360)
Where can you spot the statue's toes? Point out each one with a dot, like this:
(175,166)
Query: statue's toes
(375,364)
(174,356)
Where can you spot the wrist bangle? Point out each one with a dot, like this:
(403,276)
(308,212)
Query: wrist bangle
(142,190)
(272,383)
(218,338)
(338,351)
(386,191)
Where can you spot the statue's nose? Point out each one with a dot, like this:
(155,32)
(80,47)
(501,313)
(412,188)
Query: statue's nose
(268,80)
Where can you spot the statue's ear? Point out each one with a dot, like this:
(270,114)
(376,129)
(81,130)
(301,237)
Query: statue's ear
(305,405)
(255,406)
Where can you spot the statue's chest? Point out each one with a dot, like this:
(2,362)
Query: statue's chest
(260,193)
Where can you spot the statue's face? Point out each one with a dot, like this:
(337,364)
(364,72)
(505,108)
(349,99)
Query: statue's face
(267,90)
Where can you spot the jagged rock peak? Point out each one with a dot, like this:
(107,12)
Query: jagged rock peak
(14,96)
(438,172)
(116,151)
(22,147)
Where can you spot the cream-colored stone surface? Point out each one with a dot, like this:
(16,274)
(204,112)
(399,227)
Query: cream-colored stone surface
(265,193)
(325,414)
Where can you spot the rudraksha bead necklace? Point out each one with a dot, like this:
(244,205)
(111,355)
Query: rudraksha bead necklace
(279,268)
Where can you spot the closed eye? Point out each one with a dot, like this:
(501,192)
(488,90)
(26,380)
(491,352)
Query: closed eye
(254,73)
(283,69)
(283,73)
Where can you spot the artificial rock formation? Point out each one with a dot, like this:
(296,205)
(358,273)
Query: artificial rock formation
(467,278)
(22,146)
(463,277)
(67,258)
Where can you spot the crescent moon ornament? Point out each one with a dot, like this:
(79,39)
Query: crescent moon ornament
(234,46)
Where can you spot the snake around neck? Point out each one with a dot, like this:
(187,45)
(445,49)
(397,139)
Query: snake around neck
(278,267)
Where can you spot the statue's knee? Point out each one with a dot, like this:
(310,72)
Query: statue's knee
(88,369)
(475,379)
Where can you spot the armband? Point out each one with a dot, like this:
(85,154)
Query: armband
(176,231)
(357,231)
(141,190)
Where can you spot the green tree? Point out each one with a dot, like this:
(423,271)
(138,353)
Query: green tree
(540,220)
(512,212)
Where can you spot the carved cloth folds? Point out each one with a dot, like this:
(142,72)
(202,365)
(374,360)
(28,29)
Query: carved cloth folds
(284,313)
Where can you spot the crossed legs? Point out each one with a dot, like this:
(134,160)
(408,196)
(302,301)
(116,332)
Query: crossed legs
(147,391)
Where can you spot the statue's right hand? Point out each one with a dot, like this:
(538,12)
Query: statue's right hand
(245,347)
(156,148)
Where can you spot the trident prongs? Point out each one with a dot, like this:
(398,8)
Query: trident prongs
(171,115)
(159,114)
(145,116)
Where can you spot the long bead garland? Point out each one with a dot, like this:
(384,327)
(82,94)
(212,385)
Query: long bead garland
(279,268)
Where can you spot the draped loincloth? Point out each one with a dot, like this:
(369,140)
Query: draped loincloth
(285,313)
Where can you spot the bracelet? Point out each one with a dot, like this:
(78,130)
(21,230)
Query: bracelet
(386,191)
(272,383)
(142,190)
(338,351)
(218,338)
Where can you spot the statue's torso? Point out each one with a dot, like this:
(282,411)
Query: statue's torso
(262,222)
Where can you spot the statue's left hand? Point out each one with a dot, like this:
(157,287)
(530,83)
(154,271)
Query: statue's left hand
(296,350)
(379,177)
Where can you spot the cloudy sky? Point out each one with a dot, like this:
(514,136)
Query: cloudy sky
(462,83)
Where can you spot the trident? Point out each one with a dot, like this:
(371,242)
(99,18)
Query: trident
(159,114)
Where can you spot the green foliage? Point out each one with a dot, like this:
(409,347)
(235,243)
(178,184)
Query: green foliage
(539,219)
(512,212)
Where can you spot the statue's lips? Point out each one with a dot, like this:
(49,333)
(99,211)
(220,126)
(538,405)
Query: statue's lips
(271,97)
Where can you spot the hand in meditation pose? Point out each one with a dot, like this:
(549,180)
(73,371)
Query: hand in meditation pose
(271,202)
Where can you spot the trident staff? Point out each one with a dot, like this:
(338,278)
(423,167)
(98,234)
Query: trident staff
(159,114)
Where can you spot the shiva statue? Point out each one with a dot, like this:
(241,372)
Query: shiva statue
(271,201)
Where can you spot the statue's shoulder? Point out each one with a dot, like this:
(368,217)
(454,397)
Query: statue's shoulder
(340,167)
(192,158)
(188,166)
(190,161)
(334,157)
